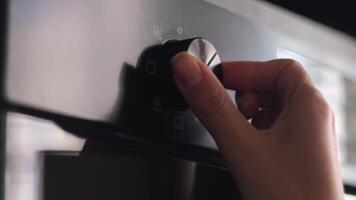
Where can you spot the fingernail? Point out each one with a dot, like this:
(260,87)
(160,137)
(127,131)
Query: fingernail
(186,69)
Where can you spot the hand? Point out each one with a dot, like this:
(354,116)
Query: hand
(290,149)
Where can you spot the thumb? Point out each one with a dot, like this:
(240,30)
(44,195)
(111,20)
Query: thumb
(209,101)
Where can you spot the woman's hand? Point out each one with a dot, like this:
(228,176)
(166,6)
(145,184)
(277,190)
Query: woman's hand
(290,149)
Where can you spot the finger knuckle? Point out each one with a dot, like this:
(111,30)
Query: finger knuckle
(291,73)
(295,67)
(291,62)
(319,103)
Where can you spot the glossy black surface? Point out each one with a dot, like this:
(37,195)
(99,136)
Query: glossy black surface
(160,78)
(134,177)
(80,58)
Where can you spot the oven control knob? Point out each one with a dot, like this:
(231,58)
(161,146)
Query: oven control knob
(198,47)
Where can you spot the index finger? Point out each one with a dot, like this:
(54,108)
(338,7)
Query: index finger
(279,76)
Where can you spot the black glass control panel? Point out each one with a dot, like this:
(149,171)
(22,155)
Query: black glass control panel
(154,97)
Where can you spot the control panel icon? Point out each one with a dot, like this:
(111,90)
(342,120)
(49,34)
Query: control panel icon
(157,33)
(150,66)
(179,122)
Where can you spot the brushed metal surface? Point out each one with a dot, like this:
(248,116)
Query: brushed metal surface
(205,51)
(74,57)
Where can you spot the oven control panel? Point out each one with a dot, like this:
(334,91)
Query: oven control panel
(108,61)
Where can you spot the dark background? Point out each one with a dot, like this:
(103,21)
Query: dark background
(339,15)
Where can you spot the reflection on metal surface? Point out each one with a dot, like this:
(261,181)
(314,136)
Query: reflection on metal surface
(340,93)
(205,51)
(305,35)
(26,137)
